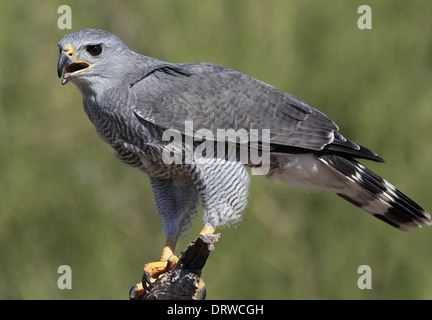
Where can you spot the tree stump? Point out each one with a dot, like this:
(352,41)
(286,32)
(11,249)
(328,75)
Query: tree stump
(182,282)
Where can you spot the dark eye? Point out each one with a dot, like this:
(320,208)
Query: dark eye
(94,49)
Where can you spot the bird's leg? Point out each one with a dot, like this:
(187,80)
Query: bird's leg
(168,260)
(208,229)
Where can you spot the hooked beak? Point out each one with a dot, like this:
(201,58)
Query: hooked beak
(70,66)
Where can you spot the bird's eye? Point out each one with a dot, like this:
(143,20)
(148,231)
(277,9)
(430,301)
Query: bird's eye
(94,49)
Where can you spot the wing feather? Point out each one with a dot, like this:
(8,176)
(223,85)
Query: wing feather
(216,97)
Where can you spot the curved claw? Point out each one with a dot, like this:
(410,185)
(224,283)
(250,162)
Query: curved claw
(168,265)
(141,288)
(202,289)
(132,292)
(203,293)
(136,291)
(147,281)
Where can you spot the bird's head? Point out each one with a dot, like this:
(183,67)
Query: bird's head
(89,55)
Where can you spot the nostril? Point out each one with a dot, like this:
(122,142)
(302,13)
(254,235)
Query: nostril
(69,51)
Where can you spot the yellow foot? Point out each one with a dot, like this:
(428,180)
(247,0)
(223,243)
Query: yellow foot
(206,230)
(136,292)
(156,269)
(153,271)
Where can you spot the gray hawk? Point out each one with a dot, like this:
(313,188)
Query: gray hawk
(133,100)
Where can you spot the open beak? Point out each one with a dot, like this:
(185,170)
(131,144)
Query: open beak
(69,67)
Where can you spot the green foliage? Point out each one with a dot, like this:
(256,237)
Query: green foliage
(65,200)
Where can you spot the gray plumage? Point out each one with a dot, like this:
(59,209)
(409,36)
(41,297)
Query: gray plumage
(132,99)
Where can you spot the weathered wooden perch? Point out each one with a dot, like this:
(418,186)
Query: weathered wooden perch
(182,282)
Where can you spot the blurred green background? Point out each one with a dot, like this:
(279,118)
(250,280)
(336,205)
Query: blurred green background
(65,200)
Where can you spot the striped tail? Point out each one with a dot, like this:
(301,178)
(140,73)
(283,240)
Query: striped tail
(375,195)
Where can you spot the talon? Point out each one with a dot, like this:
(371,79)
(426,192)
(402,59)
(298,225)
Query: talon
(140,289)
(202,288)
(146,279)
(168,265)
(158,268)
(153,271)
(203,293)
(136,292)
